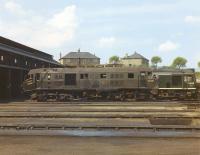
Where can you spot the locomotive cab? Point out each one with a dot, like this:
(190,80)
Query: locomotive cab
(31,82)
(175,83)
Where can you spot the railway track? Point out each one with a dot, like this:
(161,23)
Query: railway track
(113,119)
(102,114)
(159,131)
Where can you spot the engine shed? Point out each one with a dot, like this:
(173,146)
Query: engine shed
(15,61)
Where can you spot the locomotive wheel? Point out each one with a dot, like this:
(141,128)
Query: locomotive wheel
(42,98)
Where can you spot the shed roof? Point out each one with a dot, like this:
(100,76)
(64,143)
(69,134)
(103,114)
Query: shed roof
(28,49)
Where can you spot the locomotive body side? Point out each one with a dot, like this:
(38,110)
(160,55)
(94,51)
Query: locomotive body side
(108,82)
(111,83)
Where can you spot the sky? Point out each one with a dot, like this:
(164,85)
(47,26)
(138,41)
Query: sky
(105,28)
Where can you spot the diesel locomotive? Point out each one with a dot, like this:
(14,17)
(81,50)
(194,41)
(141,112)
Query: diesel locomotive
(110,83)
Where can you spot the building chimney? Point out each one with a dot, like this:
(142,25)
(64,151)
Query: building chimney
(60,55)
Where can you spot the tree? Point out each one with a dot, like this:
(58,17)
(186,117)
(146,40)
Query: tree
(114,59)
(155,60)
(179,62)
(198,64)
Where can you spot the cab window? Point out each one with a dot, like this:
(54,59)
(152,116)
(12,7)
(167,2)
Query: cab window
(131,75)
(38,76)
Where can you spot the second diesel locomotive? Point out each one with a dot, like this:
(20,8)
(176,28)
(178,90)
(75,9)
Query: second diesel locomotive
(110,83)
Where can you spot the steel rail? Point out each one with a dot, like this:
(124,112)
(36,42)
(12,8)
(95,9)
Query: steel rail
(53,127)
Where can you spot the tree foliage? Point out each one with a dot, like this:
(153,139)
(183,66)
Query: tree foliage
(179,62)
(155,60)
(198,64)
(114,59)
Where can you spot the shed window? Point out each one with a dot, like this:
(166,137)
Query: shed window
(103,76)
(84,76)
(130,75)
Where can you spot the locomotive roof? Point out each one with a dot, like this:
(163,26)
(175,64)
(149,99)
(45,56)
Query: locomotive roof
(173,70)
(92,69)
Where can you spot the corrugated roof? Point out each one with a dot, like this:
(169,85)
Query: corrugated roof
(28,49)
(135,56)
(85,55)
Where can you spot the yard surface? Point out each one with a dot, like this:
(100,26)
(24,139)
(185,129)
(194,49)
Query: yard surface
(57,145)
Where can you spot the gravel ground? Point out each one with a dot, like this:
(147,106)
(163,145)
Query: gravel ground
(57,145)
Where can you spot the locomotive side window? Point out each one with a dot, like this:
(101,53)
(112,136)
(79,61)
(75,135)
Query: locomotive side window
(131,75)
(103,76)
(70,79)
(58,76)
(83,76)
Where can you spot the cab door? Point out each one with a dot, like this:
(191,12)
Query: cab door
(70,79)
(142,79)
(37,79)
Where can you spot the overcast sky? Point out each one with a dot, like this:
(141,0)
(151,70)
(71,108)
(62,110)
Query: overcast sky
(167,28)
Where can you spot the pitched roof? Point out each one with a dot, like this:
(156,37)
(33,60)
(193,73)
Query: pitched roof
(86,55)
(135,56)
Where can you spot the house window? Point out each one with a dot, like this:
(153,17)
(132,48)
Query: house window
(103,76)
(84,76)
(130,75)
